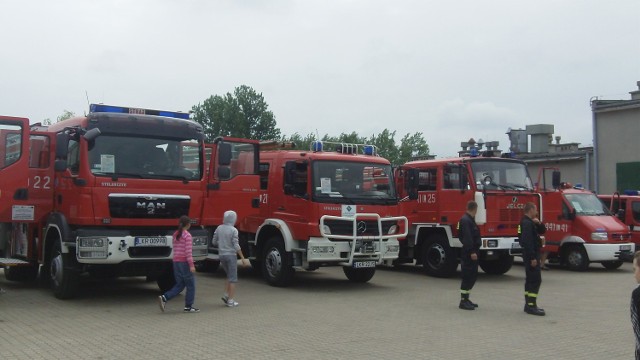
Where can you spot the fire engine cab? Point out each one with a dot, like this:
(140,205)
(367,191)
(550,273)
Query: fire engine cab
(626,207)
(101,194)
(580,228)
(333,205)
(434,194)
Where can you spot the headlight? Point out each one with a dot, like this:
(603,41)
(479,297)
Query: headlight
(323,249)
(326,229)
(599,236)
(493,243)
(393,248)
(392,230)
(93,242)
(200,241)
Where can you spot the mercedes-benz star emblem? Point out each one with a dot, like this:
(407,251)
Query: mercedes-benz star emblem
(362,227)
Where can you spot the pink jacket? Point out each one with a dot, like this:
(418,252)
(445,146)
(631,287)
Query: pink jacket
(182,248)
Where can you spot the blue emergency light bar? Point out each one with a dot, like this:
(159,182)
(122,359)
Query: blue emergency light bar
(345,148)
(632,192)
(102,108)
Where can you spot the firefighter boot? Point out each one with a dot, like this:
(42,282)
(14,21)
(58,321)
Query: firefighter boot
(531,306)
(465,303)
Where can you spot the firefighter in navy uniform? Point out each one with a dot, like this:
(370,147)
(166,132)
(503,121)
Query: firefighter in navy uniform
(469,236)
(529,232)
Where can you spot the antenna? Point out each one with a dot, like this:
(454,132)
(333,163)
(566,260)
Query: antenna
(86,93)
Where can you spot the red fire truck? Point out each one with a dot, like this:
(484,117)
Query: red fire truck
(101,194)
(434,194)
(627,208)
(580,228)
(323,207)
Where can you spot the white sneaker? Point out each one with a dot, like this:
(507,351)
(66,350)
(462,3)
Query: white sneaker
(2,291)
(232,303)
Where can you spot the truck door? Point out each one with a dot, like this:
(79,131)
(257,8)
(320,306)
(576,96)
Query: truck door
(295,208)
(233,181)
(14,165)
(427,195)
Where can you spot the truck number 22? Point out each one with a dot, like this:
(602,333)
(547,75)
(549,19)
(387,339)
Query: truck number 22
(43,182)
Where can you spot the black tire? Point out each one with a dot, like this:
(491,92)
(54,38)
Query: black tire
(609,265)
(438,258)
(276,263)
(359,275)
(166,280)
(21,273)
(498,266)
(576,258)
(64,278)
(207,266)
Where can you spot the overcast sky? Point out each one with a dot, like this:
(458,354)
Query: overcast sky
(449,69)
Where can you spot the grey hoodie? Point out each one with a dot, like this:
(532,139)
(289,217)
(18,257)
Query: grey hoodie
(226,235)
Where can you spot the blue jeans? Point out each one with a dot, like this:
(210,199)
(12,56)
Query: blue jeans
(184,278)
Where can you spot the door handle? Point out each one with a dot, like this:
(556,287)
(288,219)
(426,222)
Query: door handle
(281,208)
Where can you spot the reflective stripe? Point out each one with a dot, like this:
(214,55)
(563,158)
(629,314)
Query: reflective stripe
(533,295)
(519,230)
(526,293)
(465,291)
(458,227)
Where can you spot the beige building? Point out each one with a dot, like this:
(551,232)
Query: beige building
(616,131)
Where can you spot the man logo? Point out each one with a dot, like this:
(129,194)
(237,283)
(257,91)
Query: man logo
(514,199)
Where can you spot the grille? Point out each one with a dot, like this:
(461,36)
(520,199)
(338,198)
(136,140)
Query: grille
(510,215)
(621,237)
(141,207)
(346,227)
(149,251)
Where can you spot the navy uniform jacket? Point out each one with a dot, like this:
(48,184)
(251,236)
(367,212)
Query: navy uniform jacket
(469,234)
(529,238)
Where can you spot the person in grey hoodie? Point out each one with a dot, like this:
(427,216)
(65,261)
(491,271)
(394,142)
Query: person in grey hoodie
(226,239)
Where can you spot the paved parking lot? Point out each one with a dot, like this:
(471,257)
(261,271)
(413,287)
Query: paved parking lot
(400,314)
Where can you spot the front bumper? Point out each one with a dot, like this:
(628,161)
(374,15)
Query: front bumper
(608,252)
(346,250)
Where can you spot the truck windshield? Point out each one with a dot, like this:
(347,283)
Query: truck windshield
(144,157)
(587,204)
(503,175)
(353,182)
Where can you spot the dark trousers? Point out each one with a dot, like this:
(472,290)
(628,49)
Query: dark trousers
(469,269)
(533,277)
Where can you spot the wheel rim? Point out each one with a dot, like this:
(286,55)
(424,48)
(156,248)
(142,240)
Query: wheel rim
(575,258)
(273,262)
(56,269)
(436,256)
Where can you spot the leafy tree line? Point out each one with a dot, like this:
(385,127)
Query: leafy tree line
(245,114)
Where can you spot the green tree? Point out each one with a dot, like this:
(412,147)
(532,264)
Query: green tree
(386,144)
(412,145)
(244,114)
(66,114)
(301,142)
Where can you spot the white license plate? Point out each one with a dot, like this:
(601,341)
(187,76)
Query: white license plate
(363,264)
(150,241)
(516,245)
(625,247)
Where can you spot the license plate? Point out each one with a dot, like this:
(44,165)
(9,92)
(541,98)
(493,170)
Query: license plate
(625,247)
(516,245)
(364,264)
(150,241)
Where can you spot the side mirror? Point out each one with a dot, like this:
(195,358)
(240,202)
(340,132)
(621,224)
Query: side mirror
(92,134)
(60,165)
(224,154)
(411,182)
(555,179)
(224,173)
(621,214)
(62,145)
(572,214)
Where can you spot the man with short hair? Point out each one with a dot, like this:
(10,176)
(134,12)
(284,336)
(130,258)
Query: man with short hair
(469,235)
(529,232)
